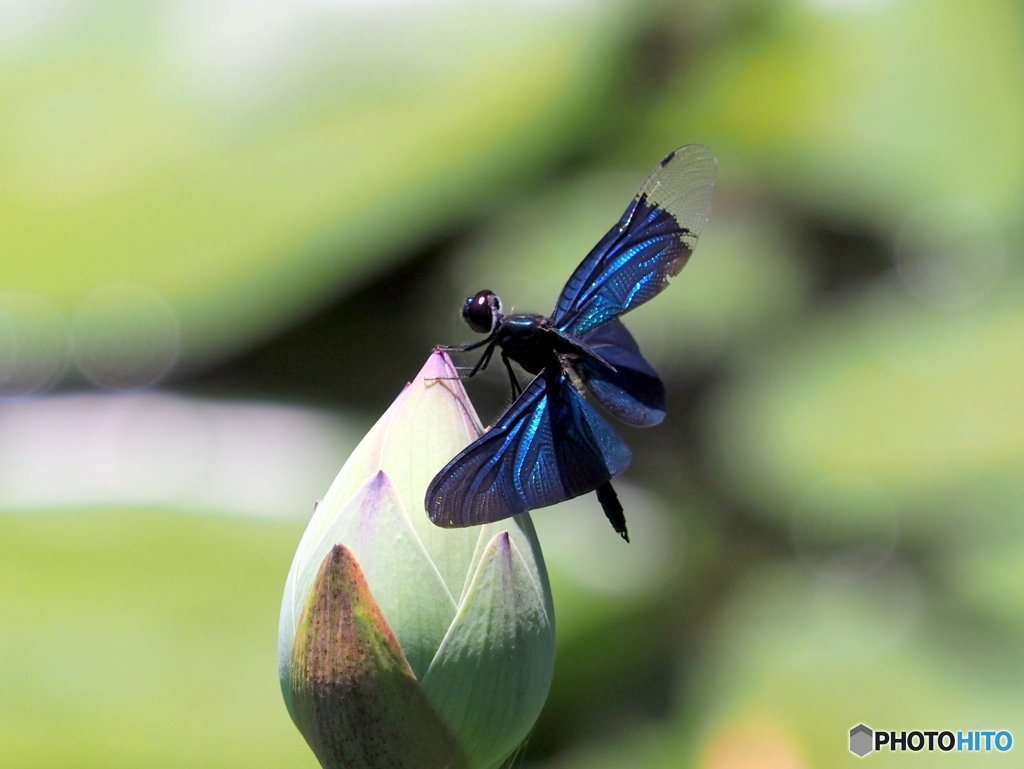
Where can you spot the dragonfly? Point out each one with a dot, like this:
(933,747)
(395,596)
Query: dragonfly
(550,444)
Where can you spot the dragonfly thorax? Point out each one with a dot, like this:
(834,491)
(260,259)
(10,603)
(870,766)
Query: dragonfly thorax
(529,341)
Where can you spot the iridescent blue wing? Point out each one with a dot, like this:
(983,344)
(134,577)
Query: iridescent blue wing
(632,392)
(549,446)
(650,244)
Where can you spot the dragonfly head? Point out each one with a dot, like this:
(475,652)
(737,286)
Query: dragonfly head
(482,311)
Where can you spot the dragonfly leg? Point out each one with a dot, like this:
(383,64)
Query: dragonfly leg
(484,360)
(512,380)
(613,509)
(480,364)
(464,347)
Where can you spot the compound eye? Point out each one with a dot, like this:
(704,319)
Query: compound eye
(481,311)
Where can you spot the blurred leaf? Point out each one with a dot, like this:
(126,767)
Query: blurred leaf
(862,109)
(643,746)
(809,658)
(923,404)
(990,577)
(245,160)
(156,450)
(620,609)
(135,639)
(596,578)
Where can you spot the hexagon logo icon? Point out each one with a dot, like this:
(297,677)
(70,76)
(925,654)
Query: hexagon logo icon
(861,740)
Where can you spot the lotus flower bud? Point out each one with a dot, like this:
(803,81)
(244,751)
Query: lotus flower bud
(402,644)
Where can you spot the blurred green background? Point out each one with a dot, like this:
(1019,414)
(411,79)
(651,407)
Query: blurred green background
(230,231)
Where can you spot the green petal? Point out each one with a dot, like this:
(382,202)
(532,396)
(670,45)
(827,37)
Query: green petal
(434,423)
(407,586)
(429,423)
(414,596)
(491,675)
(355,698)
(363,462)
(524,536)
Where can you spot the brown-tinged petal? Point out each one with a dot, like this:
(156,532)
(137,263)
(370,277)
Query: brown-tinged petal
(354,697)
